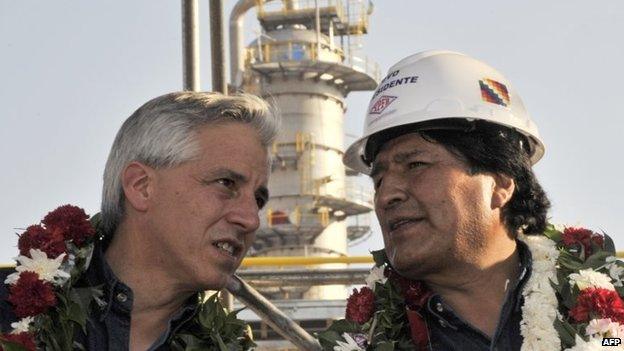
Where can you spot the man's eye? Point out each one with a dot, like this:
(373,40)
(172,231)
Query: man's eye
(260,201)
(415,164)
(377,183)
(226,182)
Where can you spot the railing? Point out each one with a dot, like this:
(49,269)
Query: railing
(290,6)
(358,193)
(297,218)
(305,51)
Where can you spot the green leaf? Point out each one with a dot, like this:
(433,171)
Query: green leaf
(222,346)
(77,314)
(379,256)
(552,234)
(609,246)
(596,260)
(11,346)
(329,338)
(568,297)
(385,346)
(345,326)
(569,261)
(96,222)
(566,332)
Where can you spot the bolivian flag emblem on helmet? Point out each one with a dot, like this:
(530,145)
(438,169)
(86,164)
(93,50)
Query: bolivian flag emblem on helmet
(494,92)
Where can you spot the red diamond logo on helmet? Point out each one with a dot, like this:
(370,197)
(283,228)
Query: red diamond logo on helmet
(380,105)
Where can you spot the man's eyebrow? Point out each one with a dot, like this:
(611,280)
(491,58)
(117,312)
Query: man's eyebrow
(377,168)
(228,173)
(400,157)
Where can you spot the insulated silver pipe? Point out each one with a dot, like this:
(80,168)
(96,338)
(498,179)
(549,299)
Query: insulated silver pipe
(237,36)
(190,45)
(283,325)
(237,45)
(216,47)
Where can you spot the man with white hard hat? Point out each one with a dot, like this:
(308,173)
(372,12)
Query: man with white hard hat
(449,147)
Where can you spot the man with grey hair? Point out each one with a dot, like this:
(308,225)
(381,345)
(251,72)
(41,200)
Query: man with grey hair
(184,182)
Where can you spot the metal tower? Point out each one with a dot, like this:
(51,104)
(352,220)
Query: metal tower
(305,62)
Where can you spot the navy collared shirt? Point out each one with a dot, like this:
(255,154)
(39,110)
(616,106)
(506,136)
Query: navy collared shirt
(108,326)
(448,331)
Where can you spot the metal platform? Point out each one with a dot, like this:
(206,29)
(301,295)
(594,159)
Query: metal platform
(353,76)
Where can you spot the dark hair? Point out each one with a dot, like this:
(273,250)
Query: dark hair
(489,148)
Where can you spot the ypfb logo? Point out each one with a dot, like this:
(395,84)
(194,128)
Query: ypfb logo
(381,104)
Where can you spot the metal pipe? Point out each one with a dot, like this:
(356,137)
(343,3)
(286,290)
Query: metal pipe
(317,24)
(236,37)
(302,260)
(190,45)
(237,46)
(283,325)
(216,47)
(304,277)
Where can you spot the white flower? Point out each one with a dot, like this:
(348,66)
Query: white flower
(12,278)
(540,303)
(22,325)
(604,328)
(594,344)
(588,278)
(615,271)
(349,345)
(47,269)
(376,276)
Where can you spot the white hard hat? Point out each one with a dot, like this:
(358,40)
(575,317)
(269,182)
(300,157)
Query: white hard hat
(442,90)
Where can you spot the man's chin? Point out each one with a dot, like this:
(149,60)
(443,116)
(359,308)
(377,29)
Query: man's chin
(217,282)
(411,269)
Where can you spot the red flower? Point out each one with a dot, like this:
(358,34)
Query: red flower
(414,292)
(598,303)
(37,237)
(31,296)
(361,305)
(581,236)
(72,221)
(24,339)
(418,330)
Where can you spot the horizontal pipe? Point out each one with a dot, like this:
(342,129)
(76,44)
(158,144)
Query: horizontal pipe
(303,277)
(303,260)
(298,260)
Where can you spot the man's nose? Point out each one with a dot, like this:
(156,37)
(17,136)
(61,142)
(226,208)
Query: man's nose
(244,213)
(391,191)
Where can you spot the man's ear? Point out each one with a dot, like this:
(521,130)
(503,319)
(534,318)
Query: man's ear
(136,180)
(504,187)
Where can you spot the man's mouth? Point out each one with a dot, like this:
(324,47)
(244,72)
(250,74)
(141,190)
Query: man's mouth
(228,247)
(402,222)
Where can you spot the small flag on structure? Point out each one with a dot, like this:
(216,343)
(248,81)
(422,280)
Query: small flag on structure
(494,92)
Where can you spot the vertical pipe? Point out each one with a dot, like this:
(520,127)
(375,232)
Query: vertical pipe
(190,45)
(317,24)
(216,46)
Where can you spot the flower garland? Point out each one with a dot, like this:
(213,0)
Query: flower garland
(572,300)
(51,305)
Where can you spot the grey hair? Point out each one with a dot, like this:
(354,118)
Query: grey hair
(161,134)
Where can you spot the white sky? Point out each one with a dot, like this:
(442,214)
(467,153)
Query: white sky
(72,71)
